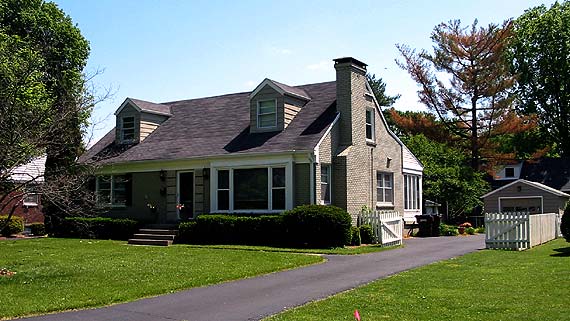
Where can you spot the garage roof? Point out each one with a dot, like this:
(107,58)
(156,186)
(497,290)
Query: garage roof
(530,183)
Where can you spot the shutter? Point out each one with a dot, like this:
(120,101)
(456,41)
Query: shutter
(129,189)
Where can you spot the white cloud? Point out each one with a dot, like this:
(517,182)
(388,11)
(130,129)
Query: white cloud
(281,51)
(320,66)
(250,84)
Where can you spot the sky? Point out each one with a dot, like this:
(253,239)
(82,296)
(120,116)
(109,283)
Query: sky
(173,50)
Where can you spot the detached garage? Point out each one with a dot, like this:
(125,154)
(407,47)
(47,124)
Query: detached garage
(525,196)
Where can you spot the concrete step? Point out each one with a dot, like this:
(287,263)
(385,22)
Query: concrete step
(163,226)
(154,237)
(158,231)
(150,242)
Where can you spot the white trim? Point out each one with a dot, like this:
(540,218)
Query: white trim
(270,83)
(329,129)
(312,183)
(129,101)
(529,183)
(522,197)
(372,124)
(257,115)
(178,192)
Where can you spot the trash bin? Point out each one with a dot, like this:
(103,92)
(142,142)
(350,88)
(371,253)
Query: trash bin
(428,225)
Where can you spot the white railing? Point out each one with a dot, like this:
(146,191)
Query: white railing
(519,231)
(388,226)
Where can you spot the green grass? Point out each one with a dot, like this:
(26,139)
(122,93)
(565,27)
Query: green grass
(486,285)
(61,274)
(334,251)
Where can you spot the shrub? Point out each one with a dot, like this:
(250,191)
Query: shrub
(98,228)
(480,230)
(366,234)
(565,224)
(355,236)
(470,231)
(448,230)
(233,229)
(317,226)
(15,226)
(38,229)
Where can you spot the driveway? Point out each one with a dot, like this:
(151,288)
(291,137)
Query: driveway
(255,298)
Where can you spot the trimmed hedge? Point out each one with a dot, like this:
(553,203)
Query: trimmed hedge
(15,226)
(37,229)
(233,229)
(98,228)
(304,226)
(317,226)
(366,234)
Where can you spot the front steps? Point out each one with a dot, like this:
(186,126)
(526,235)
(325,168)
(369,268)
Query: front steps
(154,236)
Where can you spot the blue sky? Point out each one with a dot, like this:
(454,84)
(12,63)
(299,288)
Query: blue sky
(172,50)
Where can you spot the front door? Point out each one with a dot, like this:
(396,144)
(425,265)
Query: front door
(185,206)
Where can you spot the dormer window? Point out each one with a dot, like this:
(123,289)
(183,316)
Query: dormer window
(267,113)
(509,172)
(127,129)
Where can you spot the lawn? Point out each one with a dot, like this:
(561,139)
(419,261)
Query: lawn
(61,274)
(486,285)
(350,250)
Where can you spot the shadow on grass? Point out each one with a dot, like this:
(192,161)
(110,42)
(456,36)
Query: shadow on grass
(562,252)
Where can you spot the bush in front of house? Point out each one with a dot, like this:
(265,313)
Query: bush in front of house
(366,234)
(317,226)
(233,229)
(565,224)
(15,225)
(480,230)
(448,230)
(37,229)
(470,231)
(98,228)
(355,236)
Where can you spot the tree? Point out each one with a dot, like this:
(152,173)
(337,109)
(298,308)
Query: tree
(55,53)
(467,82)
(539,54)
(410,123)
(379,89)
(447,178)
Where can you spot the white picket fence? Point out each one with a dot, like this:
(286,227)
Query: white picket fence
(520,230)
(388,226)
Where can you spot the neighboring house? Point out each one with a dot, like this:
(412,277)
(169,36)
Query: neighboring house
(28,200)
(552,172)
(525,196)
(263,151)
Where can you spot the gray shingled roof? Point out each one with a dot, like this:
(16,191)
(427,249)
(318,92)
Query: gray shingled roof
(151,107)
(296,91)
(217,126)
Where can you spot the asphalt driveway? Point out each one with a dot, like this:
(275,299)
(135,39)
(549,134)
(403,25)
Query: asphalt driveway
(255,298)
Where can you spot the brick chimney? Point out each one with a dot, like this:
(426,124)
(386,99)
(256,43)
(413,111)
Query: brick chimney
(350,90)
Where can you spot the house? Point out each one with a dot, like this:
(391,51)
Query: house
(522,195)
(552,172)
(27,201)
(264,151)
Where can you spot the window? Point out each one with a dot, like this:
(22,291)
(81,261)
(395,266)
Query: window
(412,192)
(509,172)
(267,113)
(370,124)
(325,184)
(224,190)
(278,188)
(384,189)
(245,189)
(112,190)
(31,199)
(128,128)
